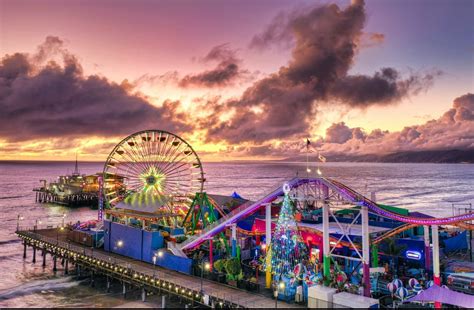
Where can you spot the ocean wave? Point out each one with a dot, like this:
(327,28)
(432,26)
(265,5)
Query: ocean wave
(11,257)
(12,241)
(38,286)
(13,197)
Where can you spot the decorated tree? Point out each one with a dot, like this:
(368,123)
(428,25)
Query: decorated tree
(288,247)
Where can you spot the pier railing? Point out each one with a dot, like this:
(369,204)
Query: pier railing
(139,273)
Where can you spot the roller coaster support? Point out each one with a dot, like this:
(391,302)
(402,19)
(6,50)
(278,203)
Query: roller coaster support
(426,235)
(436,273)
(375,255)
(268,239)
(365,249)
(326,248)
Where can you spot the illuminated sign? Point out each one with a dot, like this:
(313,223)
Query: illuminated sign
(413,255)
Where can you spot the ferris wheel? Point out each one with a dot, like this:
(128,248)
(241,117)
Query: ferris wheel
(152,167)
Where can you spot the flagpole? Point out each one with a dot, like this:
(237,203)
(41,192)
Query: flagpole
(307,158)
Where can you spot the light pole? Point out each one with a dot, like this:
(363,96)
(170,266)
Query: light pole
(37,221)
(19,218)
(57,233)
(64,216)
(206,266)
(154,265)
(160,255)
(281,286)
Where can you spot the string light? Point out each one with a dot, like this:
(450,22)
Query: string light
(288,246)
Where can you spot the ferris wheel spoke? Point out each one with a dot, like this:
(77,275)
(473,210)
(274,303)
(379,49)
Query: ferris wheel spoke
(175,172)
(174,147)
(144,150)
(176,160)
(161,150)
(161,147)
(168,152)
(173,165)
(125,162)
(135,154)
(130,160)
(178,151)
(131,171)
(138,152)
(179,167)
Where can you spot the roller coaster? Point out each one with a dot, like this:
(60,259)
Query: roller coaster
(339,193)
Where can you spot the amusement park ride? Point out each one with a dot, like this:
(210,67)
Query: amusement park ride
(153,189)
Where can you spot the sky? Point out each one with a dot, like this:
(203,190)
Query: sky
(237,79)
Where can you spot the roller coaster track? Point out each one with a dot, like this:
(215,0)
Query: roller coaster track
(344,191)
(393,232)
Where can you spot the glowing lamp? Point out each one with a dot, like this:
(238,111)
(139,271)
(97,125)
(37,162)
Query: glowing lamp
(413,255)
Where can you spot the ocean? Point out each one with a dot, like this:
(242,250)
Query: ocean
(428,188)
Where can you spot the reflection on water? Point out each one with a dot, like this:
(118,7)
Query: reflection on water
(429,188)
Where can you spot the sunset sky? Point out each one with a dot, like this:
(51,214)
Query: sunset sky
(237,79)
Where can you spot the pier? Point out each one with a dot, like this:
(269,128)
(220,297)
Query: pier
(149,279)
(81,199)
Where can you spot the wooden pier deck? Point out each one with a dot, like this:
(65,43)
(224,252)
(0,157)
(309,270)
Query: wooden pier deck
(149,278)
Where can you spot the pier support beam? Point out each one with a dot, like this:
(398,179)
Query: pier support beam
(426,237)
(211,256)
(34,254)
(124,290)
(365,249)
(268,240)
(92,278)
(55,258)
(43,253)
(326,248)
(24,250)
(66,265)
(163,302)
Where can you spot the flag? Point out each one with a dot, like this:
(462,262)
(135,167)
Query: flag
(321,158)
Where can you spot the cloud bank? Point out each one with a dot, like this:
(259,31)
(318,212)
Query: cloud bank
(284,104)
(41,98)
(225,73)
(453,130)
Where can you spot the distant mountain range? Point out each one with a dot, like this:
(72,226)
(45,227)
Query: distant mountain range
(438,156)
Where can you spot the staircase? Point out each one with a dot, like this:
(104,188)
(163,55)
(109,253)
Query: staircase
(176,249)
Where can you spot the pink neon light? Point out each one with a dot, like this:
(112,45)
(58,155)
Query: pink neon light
(342,189)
